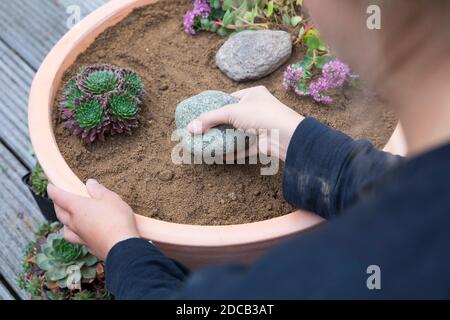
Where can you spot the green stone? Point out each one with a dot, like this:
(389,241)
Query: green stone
(215,138)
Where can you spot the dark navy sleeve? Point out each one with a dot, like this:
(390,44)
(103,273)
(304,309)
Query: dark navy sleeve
(136,269)
(327,171)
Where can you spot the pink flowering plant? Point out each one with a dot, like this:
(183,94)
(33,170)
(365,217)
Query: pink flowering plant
(318,75)
(228,16)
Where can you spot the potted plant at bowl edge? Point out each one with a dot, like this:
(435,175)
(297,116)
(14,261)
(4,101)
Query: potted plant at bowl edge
(54,269)
(37,182)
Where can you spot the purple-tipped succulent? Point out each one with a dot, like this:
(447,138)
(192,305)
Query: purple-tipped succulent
(102,100)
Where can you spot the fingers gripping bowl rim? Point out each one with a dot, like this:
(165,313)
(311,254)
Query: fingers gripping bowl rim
(190,244)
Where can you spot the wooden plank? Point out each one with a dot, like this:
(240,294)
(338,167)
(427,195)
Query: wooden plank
(15,81)
(28,30)
(31,28)
(19,218)
(4,293)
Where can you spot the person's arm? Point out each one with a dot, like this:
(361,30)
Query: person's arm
(327,171)
(136,269)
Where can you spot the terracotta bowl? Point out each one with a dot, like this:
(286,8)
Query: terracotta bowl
(192,245)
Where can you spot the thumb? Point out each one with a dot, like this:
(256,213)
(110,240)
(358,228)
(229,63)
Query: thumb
(210,119)
(95,189)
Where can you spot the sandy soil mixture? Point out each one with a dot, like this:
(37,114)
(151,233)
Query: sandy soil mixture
(175,66)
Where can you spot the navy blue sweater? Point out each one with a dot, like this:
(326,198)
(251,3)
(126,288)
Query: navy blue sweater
(383,211)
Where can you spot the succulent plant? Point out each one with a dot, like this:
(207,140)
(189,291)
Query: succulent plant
(33,287)
(64,263)
(84,295)
(71,258)
(38,180)
(100,100)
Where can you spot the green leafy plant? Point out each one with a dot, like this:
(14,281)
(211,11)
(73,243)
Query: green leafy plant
(55,269)
(228,16)
(317,53)
(38,181)
(101,100)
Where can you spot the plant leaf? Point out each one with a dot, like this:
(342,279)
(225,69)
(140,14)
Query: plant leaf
(306,62)
(269,10)
(56,274)
(227,4)
(303,87)
(321,60)
(286,19)
(52,295)
(222,31)
(313,42)
(43,262)
(321,45)
(296,20)
(229,17)
(89,273)
(90,260)
(215,4)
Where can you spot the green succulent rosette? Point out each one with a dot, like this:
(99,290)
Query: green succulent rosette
(64,263)
(54,269)
(102,100)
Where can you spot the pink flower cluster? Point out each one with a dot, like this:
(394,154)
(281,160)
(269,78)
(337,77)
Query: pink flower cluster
(201,9)
(292,78)
(334,74)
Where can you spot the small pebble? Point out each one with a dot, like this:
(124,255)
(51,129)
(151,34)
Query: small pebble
(257,193)
(232,196)
(166,175)
(163,87)
(222,201)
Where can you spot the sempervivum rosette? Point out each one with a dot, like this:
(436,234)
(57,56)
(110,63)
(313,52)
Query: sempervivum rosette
(102,100)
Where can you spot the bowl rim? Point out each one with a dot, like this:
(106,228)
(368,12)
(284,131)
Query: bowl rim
(42,94)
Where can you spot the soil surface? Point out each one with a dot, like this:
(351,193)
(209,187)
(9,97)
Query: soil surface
(175,66)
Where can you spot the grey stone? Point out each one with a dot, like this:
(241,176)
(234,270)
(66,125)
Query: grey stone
(251,55)
(216,141)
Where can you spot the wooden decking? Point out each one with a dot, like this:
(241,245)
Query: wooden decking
(28,30)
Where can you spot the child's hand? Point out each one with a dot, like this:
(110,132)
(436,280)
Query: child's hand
(258,109)
(98,222)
